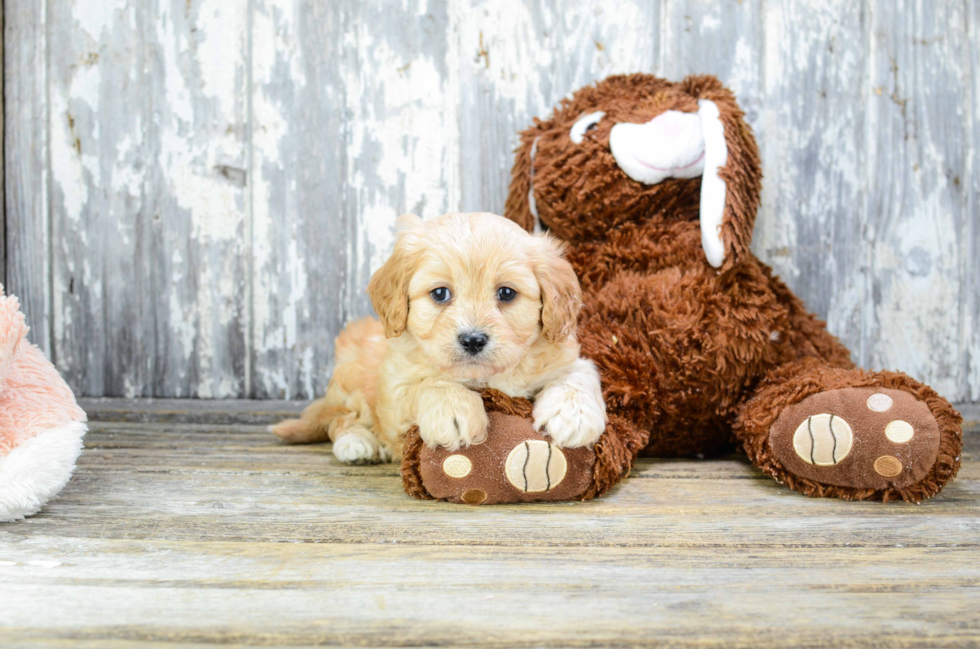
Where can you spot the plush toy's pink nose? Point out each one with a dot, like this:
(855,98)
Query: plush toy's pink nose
(671,125)
(668,146)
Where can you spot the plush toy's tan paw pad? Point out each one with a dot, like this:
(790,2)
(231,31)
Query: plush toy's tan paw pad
(534,466)
(863,438)
(819,442)
(514,464)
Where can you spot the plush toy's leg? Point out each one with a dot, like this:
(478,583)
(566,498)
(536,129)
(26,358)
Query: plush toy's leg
(38,469)
(517,464)
(615,453)
(852,434)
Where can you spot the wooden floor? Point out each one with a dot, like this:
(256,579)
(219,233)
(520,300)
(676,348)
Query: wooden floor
(189,524)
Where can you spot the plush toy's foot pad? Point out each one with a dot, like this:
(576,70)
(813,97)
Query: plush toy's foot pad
(862,438)
(515,464)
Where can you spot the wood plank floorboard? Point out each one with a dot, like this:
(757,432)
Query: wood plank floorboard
(187,524)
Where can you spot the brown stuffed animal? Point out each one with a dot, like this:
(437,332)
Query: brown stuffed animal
(655,185)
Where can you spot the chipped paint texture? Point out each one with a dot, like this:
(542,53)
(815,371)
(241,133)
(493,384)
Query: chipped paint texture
(198,191)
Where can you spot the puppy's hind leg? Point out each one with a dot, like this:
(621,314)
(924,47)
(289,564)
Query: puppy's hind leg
(343,418)
(345,415)
(353,440)
(358,445)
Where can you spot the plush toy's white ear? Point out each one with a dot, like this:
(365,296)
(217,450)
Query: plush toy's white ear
(532,204)
(712,186)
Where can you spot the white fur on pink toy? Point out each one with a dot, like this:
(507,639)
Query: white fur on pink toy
(41,426)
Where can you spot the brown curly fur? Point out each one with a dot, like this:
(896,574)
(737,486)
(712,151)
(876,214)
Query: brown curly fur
(693,354)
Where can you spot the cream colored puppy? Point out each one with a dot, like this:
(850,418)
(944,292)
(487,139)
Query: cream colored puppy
(466,301)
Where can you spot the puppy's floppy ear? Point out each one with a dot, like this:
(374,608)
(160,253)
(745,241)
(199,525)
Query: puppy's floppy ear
(388,287)
(561,295)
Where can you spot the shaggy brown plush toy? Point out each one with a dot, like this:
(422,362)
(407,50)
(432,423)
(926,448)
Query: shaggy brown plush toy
(655,185)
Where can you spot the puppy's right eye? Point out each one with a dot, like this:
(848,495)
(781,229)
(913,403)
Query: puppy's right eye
(441,294)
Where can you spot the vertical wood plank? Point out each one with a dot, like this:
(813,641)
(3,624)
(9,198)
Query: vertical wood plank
(810,225)
(197,196)
(26,165)
(518,59)
(970,384)
(919,219)
(299,234)
(98,172)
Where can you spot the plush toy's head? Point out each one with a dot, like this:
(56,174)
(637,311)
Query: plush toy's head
(632,145)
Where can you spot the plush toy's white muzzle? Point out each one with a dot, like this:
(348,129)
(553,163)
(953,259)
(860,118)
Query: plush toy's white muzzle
(668,146)
(675,144)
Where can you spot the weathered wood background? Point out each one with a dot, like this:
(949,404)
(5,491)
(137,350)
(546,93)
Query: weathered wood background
(198,190)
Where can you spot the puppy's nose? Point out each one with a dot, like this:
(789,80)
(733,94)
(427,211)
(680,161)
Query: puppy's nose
(473,342)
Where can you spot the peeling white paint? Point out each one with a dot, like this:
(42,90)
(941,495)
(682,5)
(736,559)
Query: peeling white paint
(95,17)
(361,110)
(66,163)
(710,24)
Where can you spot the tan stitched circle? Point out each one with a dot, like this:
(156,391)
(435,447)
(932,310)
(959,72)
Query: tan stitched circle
(888,466)
(899,431)
(473,496)
(879,402)
(823,440)
(535,465)
(457,466)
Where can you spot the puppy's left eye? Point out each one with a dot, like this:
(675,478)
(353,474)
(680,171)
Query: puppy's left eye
(506,294)
(441,294)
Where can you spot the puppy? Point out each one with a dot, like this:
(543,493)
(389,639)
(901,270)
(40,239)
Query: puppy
(466,301)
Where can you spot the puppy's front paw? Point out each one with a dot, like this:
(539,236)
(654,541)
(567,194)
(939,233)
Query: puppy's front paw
(452,418)
(570,417)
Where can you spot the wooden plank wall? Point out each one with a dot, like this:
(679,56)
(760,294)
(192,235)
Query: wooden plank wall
(197,191)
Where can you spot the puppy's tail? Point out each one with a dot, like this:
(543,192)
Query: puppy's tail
(311,427)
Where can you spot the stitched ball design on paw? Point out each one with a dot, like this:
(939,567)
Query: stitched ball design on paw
(535,466)
(823,440)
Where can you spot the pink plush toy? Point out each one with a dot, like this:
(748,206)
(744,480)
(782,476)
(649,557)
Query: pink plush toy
(41,426)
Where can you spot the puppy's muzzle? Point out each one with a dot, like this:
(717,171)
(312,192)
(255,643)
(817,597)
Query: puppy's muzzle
(473,342)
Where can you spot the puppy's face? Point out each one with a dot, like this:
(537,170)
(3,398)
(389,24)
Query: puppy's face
(476,291)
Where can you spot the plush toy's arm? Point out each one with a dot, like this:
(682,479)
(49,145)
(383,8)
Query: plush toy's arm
(13,329)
